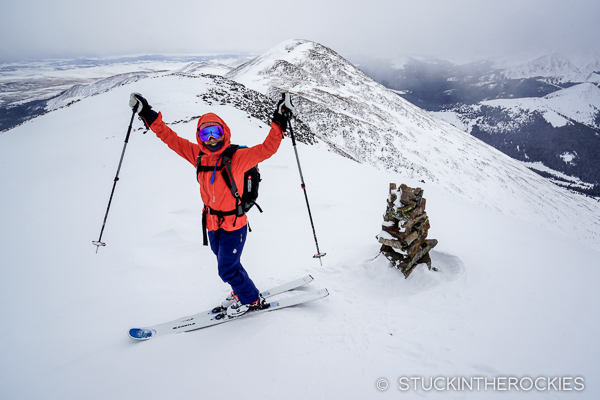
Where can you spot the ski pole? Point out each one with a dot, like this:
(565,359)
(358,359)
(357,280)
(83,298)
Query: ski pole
(99,242)
(319,255)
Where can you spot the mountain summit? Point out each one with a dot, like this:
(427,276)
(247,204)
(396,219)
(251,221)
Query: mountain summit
(351,113)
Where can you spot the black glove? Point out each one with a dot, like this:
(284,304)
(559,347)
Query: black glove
(137,102)
(284,111)
(140,105)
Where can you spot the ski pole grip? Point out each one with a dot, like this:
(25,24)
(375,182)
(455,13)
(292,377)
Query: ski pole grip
(287,101)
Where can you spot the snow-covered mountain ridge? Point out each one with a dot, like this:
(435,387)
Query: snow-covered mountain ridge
(348,110)
(78,92)
(360,119)
(555,66)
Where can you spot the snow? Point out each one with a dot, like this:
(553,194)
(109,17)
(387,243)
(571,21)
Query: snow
(555,119)
(579,103)
(513,297)
(450,117)
(562,178)
(568,157)
(573,67)
(385,235)
(343,106)
(204,68)
(37,80)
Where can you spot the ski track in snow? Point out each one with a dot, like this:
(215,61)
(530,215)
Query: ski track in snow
(514,296)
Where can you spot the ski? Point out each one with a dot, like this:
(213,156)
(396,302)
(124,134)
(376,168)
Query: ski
(183,324)
(272,306)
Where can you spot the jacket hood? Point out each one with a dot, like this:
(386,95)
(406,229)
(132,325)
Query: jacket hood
(211,117)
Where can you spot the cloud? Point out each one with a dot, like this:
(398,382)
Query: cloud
(443,28)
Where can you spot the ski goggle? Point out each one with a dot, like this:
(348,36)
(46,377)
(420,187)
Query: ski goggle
(214,131)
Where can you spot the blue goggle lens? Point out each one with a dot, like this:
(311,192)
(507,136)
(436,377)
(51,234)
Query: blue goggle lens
(206,133)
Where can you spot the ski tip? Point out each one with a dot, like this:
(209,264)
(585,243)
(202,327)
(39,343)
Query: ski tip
(141,334)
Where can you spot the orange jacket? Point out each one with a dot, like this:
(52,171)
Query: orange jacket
(218,195)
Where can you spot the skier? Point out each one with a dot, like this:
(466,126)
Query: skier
(226,230)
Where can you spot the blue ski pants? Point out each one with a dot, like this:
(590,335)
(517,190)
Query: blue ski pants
(228,247)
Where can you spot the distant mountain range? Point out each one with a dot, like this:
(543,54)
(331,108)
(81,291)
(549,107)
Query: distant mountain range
(29,89)
(543,110)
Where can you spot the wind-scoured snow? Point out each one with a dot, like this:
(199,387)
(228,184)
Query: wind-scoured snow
(511,298)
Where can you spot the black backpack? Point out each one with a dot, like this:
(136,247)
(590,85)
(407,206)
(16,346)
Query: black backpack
(246,200)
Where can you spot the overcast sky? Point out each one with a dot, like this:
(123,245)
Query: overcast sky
(453,29)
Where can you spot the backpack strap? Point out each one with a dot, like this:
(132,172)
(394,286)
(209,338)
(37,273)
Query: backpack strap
(228,177)
(227,153)
(199,167)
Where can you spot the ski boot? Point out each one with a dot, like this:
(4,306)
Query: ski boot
(237,309)
(229,300)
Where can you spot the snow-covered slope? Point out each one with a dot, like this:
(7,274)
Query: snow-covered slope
(78,92)
(348,110)
(510,299)
(580,103)
(205,67)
